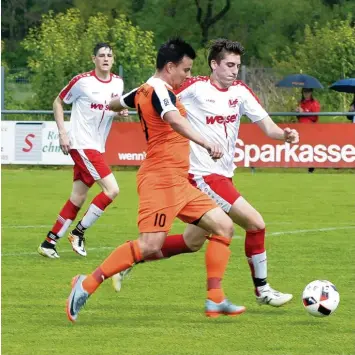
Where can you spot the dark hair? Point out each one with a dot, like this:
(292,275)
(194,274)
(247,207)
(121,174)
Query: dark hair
(173,51)
(306,90)
(101,45)
(220,47)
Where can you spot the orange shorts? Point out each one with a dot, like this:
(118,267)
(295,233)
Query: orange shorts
(163,198)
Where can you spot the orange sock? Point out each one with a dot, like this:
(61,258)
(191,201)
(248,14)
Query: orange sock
(217,256)
(120,259)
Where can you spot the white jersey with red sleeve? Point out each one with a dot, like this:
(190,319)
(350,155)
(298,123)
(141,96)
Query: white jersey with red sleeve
(216,113)
(90,119)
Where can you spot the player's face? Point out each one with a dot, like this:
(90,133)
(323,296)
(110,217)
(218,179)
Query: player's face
(180,72)
(227,70)
(103,59)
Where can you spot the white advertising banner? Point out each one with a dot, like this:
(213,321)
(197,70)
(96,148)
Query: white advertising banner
(32,143)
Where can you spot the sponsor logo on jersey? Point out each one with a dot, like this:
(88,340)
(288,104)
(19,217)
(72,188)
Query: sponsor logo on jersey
(221,119)
(100,107)
(211,100)
(233,103)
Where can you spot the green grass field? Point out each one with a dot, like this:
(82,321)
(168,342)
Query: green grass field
(311,226)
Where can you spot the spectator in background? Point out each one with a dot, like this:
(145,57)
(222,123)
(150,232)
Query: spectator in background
(308,104)
(352,109)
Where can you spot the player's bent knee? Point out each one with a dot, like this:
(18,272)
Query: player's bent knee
(78,199)
(113,192)
(150,244)
(225,228)
(257,224)
(196,244)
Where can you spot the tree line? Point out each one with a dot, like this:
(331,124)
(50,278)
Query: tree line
(54,38)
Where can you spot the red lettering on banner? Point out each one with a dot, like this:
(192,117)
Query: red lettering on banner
(27,141)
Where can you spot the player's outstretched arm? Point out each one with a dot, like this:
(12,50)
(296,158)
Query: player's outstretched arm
(122,103)
(59,119)
(272,130)
(182,126)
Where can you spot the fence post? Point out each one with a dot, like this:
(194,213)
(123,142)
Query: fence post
(2,88)
(120,71)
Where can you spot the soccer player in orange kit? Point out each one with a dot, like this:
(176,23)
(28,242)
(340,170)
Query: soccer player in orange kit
(163,186)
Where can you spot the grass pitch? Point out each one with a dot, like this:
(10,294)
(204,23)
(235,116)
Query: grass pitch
(311,228)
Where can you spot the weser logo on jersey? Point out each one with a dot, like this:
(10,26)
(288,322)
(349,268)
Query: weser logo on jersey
(221,119)
(100,107)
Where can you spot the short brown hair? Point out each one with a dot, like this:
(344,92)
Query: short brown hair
(220,46)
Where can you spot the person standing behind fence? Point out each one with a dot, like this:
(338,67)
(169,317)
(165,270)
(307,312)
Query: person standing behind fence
(90,122)
(308,104)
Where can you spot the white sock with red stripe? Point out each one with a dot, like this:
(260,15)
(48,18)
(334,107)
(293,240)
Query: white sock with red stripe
(95,210)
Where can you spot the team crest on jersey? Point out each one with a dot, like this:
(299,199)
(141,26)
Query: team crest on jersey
(233,103)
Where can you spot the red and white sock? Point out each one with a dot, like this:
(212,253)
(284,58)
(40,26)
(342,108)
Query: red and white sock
(256,255)
(64,220)
(95,210)
(173,245)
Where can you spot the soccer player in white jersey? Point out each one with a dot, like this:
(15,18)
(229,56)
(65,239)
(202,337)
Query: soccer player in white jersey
(90,123)
(214,107)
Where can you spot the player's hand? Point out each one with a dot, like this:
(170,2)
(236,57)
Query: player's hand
(214,150)
(64,143)
(291,135)
(123,113)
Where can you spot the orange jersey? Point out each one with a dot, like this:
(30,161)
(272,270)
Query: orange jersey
(168,151)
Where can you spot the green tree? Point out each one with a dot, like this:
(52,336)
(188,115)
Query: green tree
(17,17)
(61,47)
(327,52)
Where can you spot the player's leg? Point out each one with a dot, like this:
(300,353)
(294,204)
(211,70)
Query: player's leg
(247,217)
(67,214)
(217,255)
(190,241)
(204,212)
(154,220)
(97,206)
(122,258)
(93,168)
(222,190)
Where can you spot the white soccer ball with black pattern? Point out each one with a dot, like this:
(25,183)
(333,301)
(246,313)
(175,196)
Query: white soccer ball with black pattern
(320,298)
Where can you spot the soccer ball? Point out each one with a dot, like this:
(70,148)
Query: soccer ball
(320,298)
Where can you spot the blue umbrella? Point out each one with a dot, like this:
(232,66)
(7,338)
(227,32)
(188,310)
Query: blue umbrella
(300,81)
(344,85)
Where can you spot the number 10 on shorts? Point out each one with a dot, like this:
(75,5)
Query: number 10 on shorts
(160,219)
